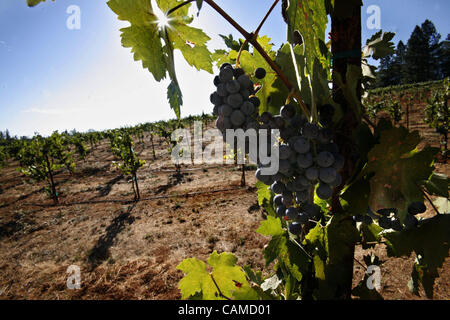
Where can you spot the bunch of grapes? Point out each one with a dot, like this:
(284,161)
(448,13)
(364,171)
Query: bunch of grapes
(234,100)
(388,218)
(309,161)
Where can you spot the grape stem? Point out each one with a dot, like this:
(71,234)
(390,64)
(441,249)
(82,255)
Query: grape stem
(265,17)
(250,37)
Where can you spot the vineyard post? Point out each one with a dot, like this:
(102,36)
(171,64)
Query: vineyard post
(345,39)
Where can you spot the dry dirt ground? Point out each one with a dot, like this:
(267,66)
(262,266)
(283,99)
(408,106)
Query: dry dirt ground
(130,251)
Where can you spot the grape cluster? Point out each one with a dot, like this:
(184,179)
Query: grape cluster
(234,100)
(309,161)
(388,218)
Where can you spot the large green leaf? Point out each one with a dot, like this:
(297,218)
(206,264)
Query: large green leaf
(379,45)
(309,18)
(398,170)
(431,243)
(146,40)
(228,277)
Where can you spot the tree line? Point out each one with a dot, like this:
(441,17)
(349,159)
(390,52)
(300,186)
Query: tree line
(423,58)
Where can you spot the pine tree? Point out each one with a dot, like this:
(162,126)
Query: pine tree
(395,71)
(416,67)
(444,57)
(384,71)
(433,38)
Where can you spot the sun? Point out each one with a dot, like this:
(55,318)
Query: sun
(162,20)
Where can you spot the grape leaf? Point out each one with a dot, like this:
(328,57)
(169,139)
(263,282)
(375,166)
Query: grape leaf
(379,45)
(437,185)
(196,280)
(430,241)
(309,17)
(145,39)
(271,227)
(396,185)
(229,277)
(32,3)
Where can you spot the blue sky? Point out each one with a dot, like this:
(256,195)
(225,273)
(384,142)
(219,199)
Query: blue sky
(53,78)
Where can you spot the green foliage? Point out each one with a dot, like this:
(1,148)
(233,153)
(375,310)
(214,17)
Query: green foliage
(41,157)
(226,280)
(397,185)
(144,38)
(430,242)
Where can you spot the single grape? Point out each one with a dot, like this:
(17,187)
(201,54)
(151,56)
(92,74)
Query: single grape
(291,213)
(260,73)
(266,116)
(279,122)
(238,72)
(287,111)
(278,187)
(266,179)
(245,82)
(281,210)
(285,167)
(226,65)
(310,131)
(245,93)
(337,182)
(396,224)
(227,123)
(295,228)
(305,161)
(301,196)
(324,191)
(237,118)
(216,81)
(235,100)
(248,108)
(312,174)
(416,208)
(278,200)
(255,100)
(384,222)
(297,121)
(233,86)
(215,99)
(287,133)
(312,210)
(325,136)
(302,218)
(285,152)
(226,74)
(325,159)
(222,90)
(302,145)
(293,158)
(339,162)
(327,175)
(226,110)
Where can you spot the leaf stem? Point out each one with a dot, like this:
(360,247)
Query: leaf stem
(429,200)
(178,7)
(218,289)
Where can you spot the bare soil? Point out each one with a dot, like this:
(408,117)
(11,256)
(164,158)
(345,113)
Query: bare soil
(130,250)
